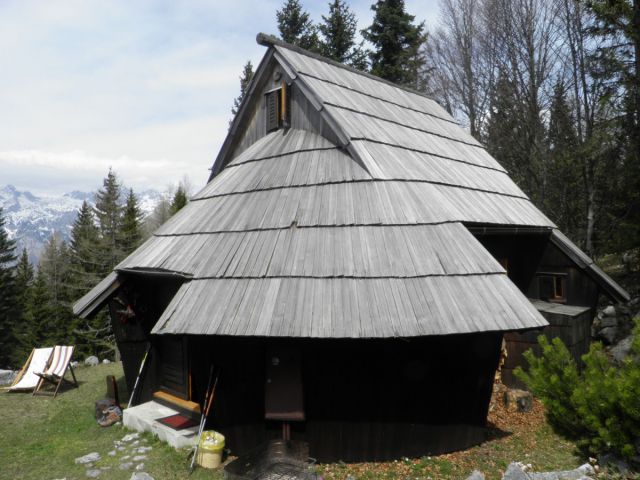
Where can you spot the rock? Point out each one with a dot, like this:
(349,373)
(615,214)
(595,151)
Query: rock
(518,400)
(74,364)
(476,475)
(608,334)
(126,457)
(611,461)
(106,361)
(88,458)
(121,449)
(126,466)
(135,442)
(112,453)
(144,449)
(609,311)
(7,376)
(131,436)
(140,467)
(517,471)
(141,476)
(609,322)
(587,469)
(139,458)
(622,349)
(93,473)
(91,361)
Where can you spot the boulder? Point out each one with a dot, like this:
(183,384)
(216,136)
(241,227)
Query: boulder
(91,361)
(141,476)
(88,458)
(7,376)
(518,400)
(517,471)
(609,322)
(476,475)
(608,334)
(106,361)
(621,350)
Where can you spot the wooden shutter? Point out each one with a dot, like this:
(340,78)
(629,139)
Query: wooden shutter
(272,104)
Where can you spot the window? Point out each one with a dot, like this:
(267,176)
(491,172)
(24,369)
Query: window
(553,286)
(278,104)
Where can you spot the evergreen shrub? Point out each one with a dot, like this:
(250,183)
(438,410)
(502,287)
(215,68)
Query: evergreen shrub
(597,405)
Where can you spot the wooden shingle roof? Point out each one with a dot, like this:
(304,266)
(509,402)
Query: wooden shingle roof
(360,237)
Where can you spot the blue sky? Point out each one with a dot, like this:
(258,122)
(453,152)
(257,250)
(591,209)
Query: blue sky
(144,87)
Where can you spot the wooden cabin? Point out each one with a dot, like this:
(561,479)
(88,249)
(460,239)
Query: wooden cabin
(351,266)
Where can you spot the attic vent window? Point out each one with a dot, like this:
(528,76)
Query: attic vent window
(278,103)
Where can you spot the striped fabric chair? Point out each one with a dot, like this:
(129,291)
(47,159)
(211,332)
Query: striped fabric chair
(57,367)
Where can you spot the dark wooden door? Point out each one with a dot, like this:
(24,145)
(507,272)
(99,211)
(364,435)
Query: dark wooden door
(174,368)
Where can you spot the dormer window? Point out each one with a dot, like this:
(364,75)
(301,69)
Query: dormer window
(277,107)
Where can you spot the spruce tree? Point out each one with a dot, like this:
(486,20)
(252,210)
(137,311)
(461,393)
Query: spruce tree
(8,310)
(296,27)
(84,246)
(562,201)
(108,211)
(245,80)
(38,327)
(131,232)
(54,267)
(24,283)
(338,31)
(179,200)
(397,41)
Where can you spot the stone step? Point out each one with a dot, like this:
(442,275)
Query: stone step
(143,418)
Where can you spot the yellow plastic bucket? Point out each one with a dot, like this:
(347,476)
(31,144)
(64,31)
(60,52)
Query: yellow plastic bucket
(210,449)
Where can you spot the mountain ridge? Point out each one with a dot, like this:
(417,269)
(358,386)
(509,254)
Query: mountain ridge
(31,219)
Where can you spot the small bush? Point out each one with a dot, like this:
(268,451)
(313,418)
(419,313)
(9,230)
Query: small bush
(598,406)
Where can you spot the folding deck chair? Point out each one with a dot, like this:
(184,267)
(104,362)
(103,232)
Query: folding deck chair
(58,365)
(26,378)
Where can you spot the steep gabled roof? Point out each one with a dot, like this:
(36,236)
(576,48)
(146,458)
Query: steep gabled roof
(360,237)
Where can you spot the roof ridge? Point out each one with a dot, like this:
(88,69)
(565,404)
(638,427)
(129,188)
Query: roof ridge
(270,40)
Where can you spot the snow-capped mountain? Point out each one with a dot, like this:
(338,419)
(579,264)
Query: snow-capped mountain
(31,219)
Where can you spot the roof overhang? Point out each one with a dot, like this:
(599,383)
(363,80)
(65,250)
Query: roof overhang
(609,286)
(95,299)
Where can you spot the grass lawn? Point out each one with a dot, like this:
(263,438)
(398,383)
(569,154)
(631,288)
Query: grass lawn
(40,437)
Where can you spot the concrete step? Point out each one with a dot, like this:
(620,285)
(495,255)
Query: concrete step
(143,419)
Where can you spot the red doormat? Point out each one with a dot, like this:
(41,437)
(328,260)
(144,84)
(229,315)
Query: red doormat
(177,421)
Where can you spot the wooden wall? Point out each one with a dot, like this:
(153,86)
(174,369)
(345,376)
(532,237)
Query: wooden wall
(148,296)
(574,330)
(364,399)
(530,254)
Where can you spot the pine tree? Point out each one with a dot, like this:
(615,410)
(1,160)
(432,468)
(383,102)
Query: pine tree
(245,80)
(37,326)
(24,283)
(338,31)
(54,267)
(295,26)
(8,310)
(562,201)
(84,246)
(397,42)
(179,200)
(131,232)
(109,211)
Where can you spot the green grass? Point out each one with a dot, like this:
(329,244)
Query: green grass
(40,437)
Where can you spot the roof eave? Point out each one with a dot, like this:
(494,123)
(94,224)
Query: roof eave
(609,286)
